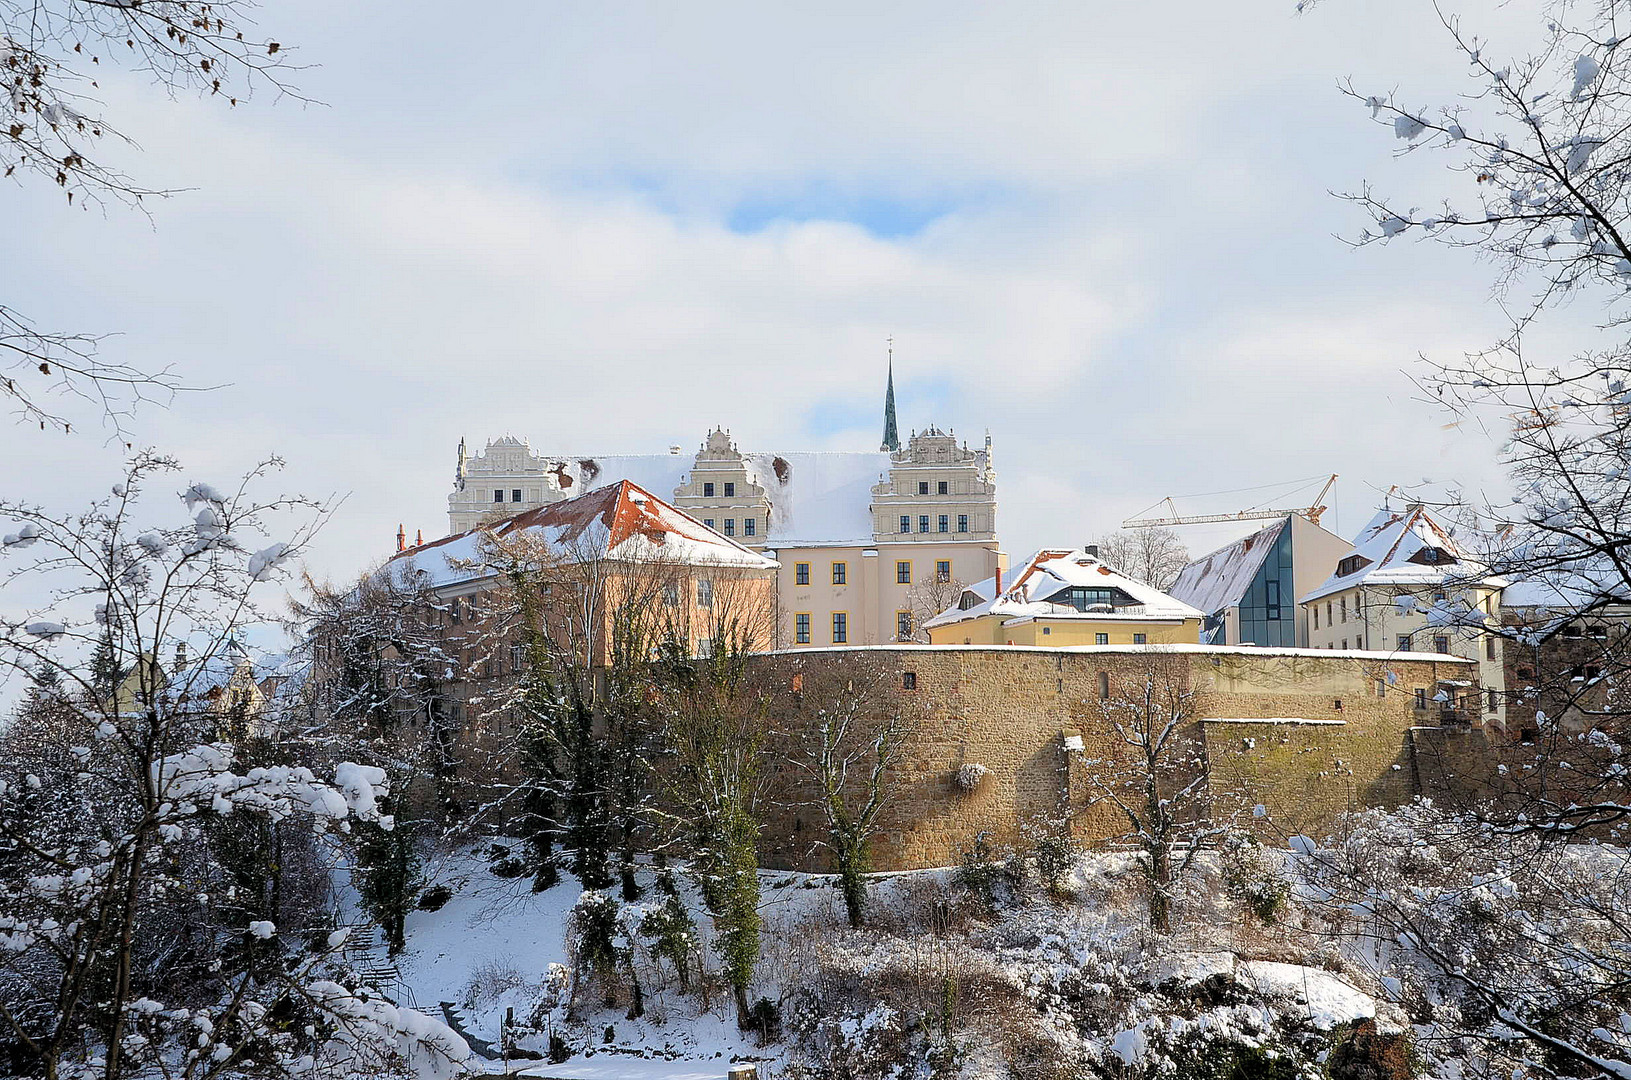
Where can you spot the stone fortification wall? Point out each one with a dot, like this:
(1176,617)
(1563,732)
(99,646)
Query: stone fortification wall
(1015,710)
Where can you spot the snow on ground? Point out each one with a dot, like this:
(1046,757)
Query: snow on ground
(1329,1000)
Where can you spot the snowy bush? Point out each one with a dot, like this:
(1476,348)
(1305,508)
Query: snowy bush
(491,980)
(1255,876)
(968,777)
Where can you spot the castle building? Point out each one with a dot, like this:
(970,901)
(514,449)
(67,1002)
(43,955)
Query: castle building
(870,544)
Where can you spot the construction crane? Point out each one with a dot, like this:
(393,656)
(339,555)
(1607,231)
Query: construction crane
(1312,513)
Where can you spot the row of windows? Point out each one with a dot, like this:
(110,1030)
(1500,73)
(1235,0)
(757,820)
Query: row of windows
(498,495)
(903,572)
(840,627)
(940,488)
(708,490)
(942,523)
(750,526)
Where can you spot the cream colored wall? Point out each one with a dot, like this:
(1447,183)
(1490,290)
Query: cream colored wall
(989,630)
(1374,614)
(871,596)
(1060,632)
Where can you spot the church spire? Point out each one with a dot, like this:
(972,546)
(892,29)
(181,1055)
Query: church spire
(891,435)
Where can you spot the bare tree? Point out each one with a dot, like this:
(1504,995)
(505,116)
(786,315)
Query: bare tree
(1545,141)
(1151,555)
(112,847)
(846,728)
(930,596)
(52,53)
(1155,775)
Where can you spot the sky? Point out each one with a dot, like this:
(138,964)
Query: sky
(1103,232)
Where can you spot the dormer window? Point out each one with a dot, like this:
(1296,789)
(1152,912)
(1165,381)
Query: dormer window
(1352,565)
(1084,598)
(1432,556)
(968,600)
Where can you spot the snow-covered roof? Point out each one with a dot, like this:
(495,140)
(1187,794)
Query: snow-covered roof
(1147,649)
(815,498)
(1219,580)
(622,521)
(1391,546)
(1052,570)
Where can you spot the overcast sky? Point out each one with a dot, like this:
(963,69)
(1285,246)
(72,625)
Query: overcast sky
(1103,231)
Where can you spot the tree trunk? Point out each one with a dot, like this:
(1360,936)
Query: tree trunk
(1160,886)
(743,1017)
(121,978)
(852,884)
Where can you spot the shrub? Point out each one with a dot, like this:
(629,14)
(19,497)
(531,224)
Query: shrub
(1255,876)
(969,776)
(559,1051)
(435,898)
(765,1017)
(489,981)
(979,872)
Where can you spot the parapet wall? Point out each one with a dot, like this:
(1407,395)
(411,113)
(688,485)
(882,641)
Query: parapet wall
(1337,738)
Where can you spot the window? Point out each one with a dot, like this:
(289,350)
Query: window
(1329,622)
(750,526)
(1316,616)
(1344,643)
(840,628)
(1104,686)
(908,680)
(671,594)
(903,572)
(923,523)
(1404,642)
(840,571)
(730,489)
(1489,646)
(801,628)
(1047,630)
(922,487)
(1491,693)
(905,523)
(705,592)
(1441,644)
(962,523)
(730,526)
(515,495)
(941,489)
(1421,697)
(1344,608)
(707,491)
(453,612)
(903,626)
(942,570)
(1272,598)
(944,524)
(708,522)
(801,573)
(1138,639)
(1336,704)
(498,494)
(1101,639)
(705,646)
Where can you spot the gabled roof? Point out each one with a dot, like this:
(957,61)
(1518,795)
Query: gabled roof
(622,522)
(1219,580)
(1051,570)
(1391,546)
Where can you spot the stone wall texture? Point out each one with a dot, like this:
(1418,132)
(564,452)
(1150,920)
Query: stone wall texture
(1340,738)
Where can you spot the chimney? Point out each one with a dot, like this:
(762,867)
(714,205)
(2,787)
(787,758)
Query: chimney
(419,538)
(998,591)
(401,539)
(1091,549)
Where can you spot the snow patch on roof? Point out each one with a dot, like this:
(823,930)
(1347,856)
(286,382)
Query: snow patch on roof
(1219,580)
(623,522)
(1053,570)
(1389,543)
